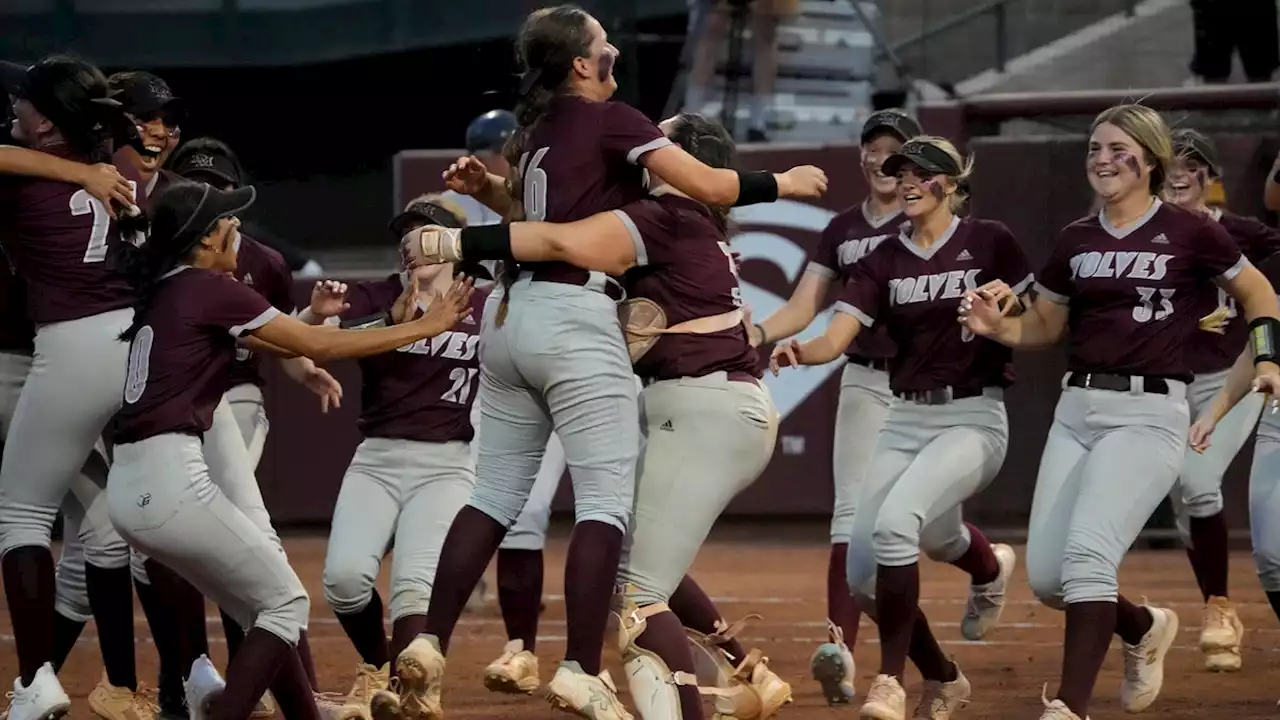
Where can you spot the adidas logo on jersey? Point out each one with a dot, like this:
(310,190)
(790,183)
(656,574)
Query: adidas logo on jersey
(668,426)
(964,255)
(1160,239)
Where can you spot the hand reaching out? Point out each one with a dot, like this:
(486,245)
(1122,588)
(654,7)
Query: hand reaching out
(785,354)
(466,176)
(329,298)
(451,308)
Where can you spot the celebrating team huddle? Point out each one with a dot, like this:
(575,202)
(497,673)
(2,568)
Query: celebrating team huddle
(573,301)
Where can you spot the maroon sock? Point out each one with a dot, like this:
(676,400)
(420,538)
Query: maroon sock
(1195,570)
(404,630)
(1273,597)
(187,607)
(1088,636)
(927,655)
(979,560)
(589,573)
(111,599)
(160,620)
(294,689)
(472,540)
(520,594)
(234,634)
(841,607)
(1132,621)
(29,590)
(308,664)
(696,611)
(367,633)
(65,633)
(1209,538)
(897,603)
(664,636)
(261,658)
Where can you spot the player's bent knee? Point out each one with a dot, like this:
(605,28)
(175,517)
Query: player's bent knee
(896,540)
(347,590)
(138,567)
(1045,579)
(286,620)
(1203,504)
(408,597)
(617,517)
(110,555)
(859,567)
(498,507)
(1086,578)
(71,597)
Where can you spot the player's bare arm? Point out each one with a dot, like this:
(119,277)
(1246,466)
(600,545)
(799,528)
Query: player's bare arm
(102,180)
(842,331)
(262,346)
(800,310)
(324,343)
(328,299)
(1259,305)
(469,176)
(723,187)
(601,242)
(306,373)
(1041,325)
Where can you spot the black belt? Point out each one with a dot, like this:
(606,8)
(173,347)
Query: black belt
(1117,383)
(939,396)
(873,363)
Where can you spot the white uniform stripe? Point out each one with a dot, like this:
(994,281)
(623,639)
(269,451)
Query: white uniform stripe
(636,152)
(847,309)
(642,255)
(267,316)
(1236,269)
(1021,287)
(1051,295)
(820,270)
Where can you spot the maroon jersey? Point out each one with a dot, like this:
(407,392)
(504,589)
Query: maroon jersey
(179,360)
(421,391)
(57,236)
(685,266)
(582,158)
(846,240)
(16,331)
(1133,293)
(1210,352)
(264,270)
(916,294)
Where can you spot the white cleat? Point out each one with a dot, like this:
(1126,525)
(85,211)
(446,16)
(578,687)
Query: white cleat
(516,671)
(594,697)
(1056,709)
(942,699)
(1144,662)
(832,666)
(986,602)
(1221,633)
(43,699)
(202,687)
(420,668)
(886,700)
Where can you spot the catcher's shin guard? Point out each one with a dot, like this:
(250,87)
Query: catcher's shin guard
(654,686)
(751,691)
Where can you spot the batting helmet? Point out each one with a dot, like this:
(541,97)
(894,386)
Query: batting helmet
(490,131)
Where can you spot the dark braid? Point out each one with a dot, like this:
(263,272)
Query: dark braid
(549,41)
(74,96)
(161,248)
(707,141)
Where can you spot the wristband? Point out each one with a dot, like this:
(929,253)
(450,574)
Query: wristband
(487,242)
(382,319)
(764,336)
(1262,337)
(757,186)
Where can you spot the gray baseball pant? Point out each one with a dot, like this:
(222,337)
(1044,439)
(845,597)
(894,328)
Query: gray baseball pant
(864,405)
(70,394)
(559,359)
(1198,492)
(1264,501)
(707,439)
(251,417)
(163,500)
(1109,460)
(530,530)
(231,470)
(84,512)
(928,460)
(394,490)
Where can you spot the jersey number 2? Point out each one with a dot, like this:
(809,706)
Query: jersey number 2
(82,203)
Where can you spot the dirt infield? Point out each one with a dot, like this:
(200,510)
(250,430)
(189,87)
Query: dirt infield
(784,582)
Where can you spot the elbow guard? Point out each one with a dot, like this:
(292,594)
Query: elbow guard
(1262,338)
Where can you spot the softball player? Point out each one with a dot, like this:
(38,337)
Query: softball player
(864,384)
(945,436)
(60,235)
(411,473)
(576,154)
(709,424)
(1124,286)
(1264,479)
(520,555)
(179,357)
(1197,497)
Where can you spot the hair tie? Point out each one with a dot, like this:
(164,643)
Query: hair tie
(530,78)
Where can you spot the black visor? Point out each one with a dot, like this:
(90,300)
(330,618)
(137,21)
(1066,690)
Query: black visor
(929,158)
(1191,144)
(422,213)
(895,122)
(186,225)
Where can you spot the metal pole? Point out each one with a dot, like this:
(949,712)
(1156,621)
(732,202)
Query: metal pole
(1002,37)
(733,71)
